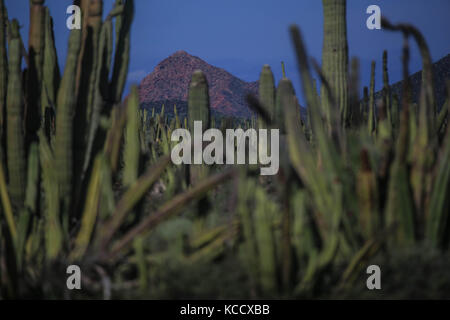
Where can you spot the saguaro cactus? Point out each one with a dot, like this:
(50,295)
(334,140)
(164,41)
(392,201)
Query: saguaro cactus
(335,54)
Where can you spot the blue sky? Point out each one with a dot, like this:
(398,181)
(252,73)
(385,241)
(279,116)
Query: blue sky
(243,35)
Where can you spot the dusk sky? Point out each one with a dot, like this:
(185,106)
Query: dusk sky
(243,35)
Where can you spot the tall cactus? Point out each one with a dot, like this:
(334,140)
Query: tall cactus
(198,110)
(122,54)
(386,88)
(15,102)
(285,90)
(3,65)
(267,89)
(66,102)
(36,45)
(131,148)
(335,54)
(50,76)
(198,101)
(372,120)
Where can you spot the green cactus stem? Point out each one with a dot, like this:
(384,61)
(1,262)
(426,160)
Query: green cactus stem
(198,110)
(14,135)
(51,77)
(267,90)
(66,102)
(3,67)
(372,120)
(386,88)
(36,46)
(335,54)
(122,52)
(132,143)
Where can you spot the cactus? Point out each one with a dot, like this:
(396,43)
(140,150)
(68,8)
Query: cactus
(122,53)
(335,54)
(66,102)
(198,110)
(15,139)
(267,90)
(285,90)
(386,88)
(36,47)
(372,119)
(3,67)
(131,148)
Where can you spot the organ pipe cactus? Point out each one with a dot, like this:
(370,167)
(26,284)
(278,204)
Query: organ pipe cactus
(3,65)
(36,47)
(15,105)
(66,102)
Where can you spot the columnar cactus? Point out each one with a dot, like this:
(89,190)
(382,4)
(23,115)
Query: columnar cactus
(3,64)
(66,102)
(386,88)
(36,45)
(372,119)
(50,77)
(335,54)
(198,101)
(285,91)
(198,110)
(15,103)
(132,144)
(267,90)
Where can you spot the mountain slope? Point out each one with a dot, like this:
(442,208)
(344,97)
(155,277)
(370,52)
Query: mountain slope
(441,72)
(169,84)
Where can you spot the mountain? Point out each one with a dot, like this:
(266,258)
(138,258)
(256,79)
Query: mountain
(168,84)
(441,73)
